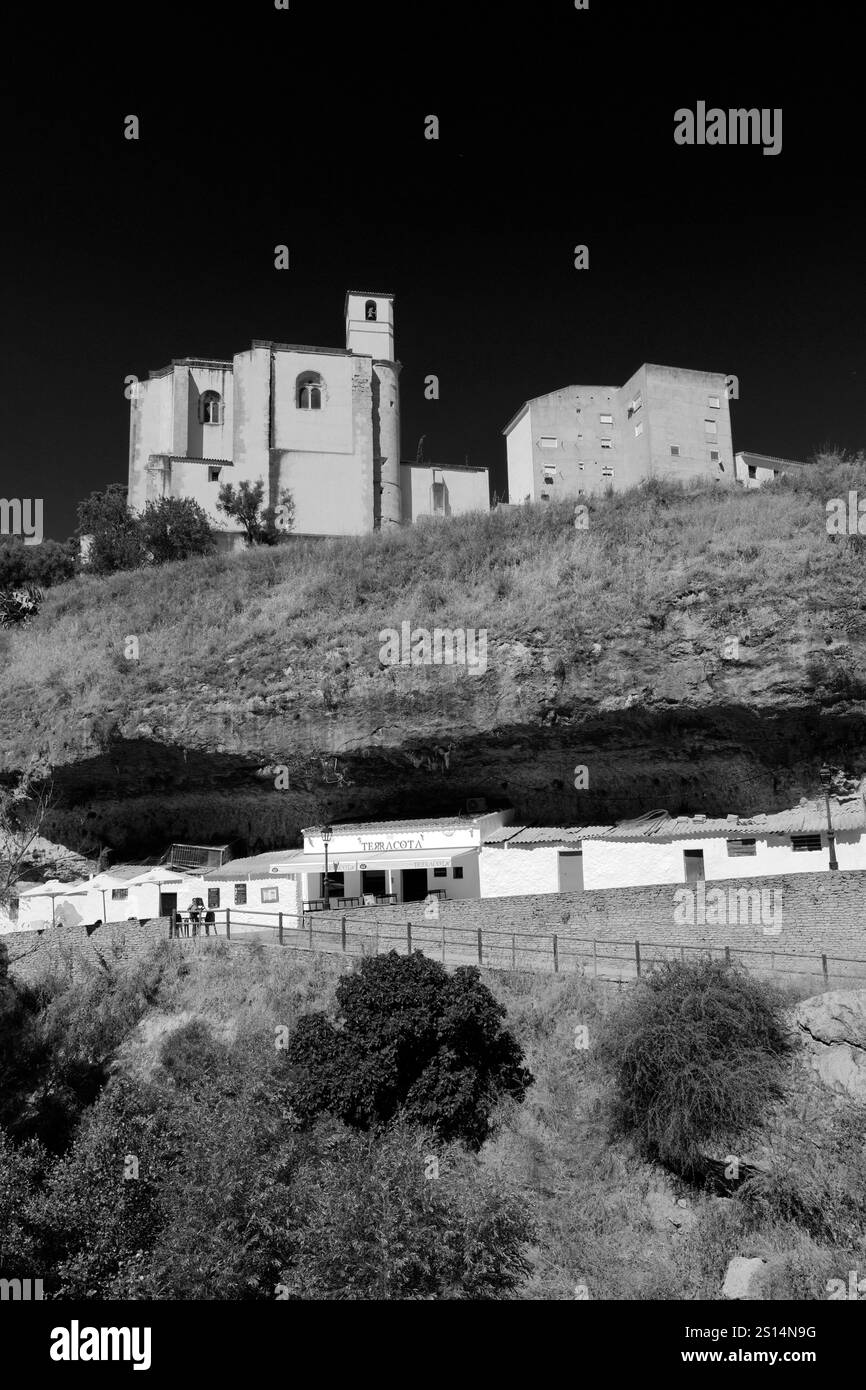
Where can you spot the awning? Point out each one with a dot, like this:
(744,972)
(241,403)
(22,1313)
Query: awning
(380,859)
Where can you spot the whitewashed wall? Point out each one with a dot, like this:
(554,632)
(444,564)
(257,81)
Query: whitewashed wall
(506,873)
(632,863)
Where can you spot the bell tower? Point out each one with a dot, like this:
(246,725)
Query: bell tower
(370,324)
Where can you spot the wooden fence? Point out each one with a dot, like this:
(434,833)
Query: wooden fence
(623,961)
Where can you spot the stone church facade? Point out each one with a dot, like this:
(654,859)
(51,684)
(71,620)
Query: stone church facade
(322,422)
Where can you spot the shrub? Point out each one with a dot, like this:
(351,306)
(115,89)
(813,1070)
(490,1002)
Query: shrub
(117,539)
(18,606)
(174,528)
(375,1220)
(410,1038)
(696,1053)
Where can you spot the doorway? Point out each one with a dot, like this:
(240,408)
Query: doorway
(414,885)
(694,865)
(167,904)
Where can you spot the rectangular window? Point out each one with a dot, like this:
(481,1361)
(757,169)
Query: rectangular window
(714,456)
(737,849)
(805,844)
(714,402)
(440,873)
(638,429)
(753,472)
(547,442)
(213,475)
(240,894)
(675,451)
(607,471)
(607,443)
(213,897)
(635,406)
(693,865)
(117,894)
(606,419)
(270,895)
(545,496)
(711,427)
(458,872)
(548,479)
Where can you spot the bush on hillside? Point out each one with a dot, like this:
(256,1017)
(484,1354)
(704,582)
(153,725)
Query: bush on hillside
(175,528)
(50,562)
(117,540)
(697,1055)
(409,1038)
(18,606)
(393,1217)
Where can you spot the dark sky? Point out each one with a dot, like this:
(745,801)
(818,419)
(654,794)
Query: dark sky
(306,127)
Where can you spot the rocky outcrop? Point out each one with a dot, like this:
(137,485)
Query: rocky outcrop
(833,1029)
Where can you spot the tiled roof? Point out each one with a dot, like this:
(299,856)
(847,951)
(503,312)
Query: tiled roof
(253,866)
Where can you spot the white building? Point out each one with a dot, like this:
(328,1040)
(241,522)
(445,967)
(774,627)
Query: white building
(658,848)
(322,423)
(753,470)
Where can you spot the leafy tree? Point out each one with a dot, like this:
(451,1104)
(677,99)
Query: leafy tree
(261,526)
(117,535)
(410,1037)
(174,528)
(697,1053)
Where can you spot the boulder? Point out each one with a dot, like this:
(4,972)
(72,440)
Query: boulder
(744,1276)
(833,1029)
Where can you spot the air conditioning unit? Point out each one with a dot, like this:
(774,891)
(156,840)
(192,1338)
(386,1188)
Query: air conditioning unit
(476,806)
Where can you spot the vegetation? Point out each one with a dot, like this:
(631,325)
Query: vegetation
(412,1039)
(50,562)
(656,565)
(261,526)
(187,1169)
(697,1053)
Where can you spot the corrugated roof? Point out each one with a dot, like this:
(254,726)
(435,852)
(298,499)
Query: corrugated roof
(808,818)
(253,866)
(352,827)
(763,460)
(544,834)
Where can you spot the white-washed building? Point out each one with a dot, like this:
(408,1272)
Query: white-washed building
(658,848)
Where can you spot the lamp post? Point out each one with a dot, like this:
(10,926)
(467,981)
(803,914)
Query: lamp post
(326,832)
(826,779)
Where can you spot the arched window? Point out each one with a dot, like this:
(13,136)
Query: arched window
(370,309)
(210,408)
(309,391)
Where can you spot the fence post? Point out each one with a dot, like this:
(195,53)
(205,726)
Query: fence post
(408,938)
(310,915)
(637,957)
(555,954)
(343,931)
(280,928)
(228,924)
(595,957)
(825,970)
(727,955)
(480,948)
(514,950)
(443,940)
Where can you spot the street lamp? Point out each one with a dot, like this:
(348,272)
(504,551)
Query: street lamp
(326,833)
(826,780)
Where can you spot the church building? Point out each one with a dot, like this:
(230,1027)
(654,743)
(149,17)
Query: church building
(323,423)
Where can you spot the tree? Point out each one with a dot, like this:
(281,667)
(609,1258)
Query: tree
(117,540)
(697,1054)
(261,527)
(409,1038)
(23,808)
(174,528)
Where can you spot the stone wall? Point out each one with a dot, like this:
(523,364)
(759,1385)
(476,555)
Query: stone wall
(811,915)
(70,949)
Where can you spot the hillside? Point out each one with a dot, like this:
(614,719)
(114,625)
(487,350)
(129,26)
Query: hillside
(605,647)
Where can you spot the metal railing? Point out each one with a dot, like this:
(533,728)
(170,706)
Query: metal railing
(496,949)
